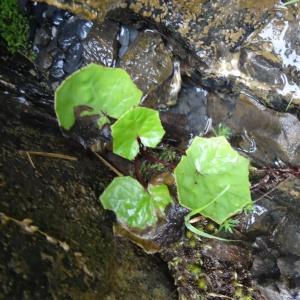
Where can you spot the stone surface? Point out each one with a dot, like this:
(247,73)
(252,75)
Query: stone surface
(56,240)
(100,44)
(275,231)
(148,61)
(276,135)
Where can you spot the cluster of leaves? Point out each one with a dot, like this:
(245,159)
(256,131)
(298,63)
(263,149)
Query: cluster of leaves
(211,179)
(14,27)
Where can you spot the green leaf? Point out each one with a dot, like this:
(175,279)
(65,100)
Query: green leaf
(132,204)
(95,90)
(212,179)
(291,2)
(160,197)
(140,122)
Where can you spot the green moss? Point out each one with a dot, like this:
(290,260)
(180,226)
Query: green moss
(194,269)
(14,27)
(202,284)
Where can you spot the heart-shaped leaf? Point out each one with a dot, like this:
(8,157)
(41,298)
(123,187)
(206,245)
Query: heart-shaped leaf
(138,123)
(133,205)
(212,179)
(95,90)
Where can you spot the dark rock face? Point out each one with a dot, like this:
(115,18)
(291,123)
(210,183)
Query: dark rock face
(274,226)
(55,239)
(100,44)
(208,28)
(276,135)
(148,61)
(188,117)
(246,50)
(244,42)
(270,59)
(64,43)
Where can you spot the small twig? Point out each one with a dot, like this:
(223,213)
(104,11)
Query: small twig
(27,224)
(219,295)
(270,191)
(48,154)
(30,160)
(109,165)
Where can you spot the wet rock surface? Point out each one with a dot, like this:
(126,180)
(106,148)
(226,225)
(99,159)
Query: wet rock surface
(65,42)
(148,61)
(188,117)
(274,228)
(263,134)
(271,58)
(100,44)
(239,65)
(221,35)
(55,239)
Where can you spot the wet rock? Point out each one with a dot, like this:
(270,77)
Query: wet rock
(123,37)
(259,221)
(272,59)
(206,28)
(290,268)
(100,44)
(42,37)
(188,117)
(267,65)
(278,292)
(58,17)
(73,58)
(127,36)
(266,136)
(58,242)
(71,43)
(90,10)
(148,61)
(68,33)
(44,60)
(56,70)
(209,29)
(227,253)
(264,268)
(276,248)
(84,30)
(287,235)
(166,95)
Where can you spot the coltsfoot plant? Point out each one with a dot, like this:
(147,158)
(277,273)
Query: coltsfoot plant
(212,179)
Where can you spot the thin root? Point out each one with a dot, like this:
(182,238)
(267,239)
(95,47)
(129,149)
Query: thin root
(48,154)
(270,191)
(109,165)
(219,295)
(30,160)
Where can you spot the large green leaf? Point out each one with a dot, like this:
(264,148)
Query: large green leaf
(95,90)
(140,122)
(212,179)
(132,204)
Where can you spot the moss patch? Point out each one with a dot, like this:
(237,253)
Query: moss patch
(14,27)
